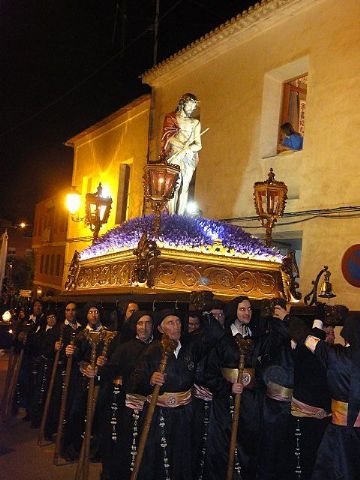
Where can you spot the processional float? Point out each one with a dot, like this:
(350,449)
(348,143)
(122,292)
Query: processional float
(177,254)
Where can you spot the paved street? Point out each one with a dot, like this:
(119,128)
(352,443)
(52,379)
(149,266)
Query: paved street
(22,459)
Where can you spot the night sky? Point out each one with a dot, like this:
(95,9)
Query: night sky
(63,68)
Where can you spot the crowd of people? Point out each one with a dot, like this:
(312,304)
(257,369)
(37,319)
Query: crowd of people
(299,392)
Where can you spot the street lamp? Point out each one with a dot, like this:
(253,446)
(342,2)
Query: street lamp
(97,209)
(73,204)
(325,288)
(159,187)
(270,197)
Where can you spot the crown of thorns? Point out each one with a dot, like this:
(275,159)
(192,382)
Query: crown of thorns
(188,96)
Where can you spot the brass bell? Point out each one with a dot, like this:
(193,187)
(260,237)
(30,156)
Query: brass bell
(326,287)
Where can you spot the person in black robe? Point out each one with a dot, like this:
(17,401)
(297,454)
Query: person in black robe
(124,312)
(123,326)
(24,339)
(43,357)
(120,421)
(310,407)
(277,372)
(221,377)
(167,453)
(75,426)
(62,334)
(206,337)
(338,455)
(24,326)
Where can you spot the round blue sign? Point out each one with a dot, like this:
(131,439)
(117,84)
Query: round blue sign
(350,265)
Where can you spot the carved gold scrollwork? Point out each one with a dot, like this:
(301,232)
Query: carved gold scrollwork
(114,271)
(218,276)
(246,282)
(95,277)
(71,281)
(167,273)
(266,283)
(104,275)
(87,277)
(144,266)
(189,275)
(124,277)
(80,279)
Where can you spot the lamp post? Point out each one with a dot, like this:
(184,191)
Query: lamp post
(97,209)
(325,288)
(270,197)
(159,187)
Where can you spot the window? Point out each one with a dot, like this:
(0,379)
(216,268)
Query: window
(123,193)
(46,264)
(41,263)
(293,105)
(52,264)
(57,270)
(283,100)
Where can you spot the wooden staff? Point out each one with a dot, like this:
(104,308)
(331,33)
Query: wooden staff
(50,390)
(244,346)
(82,471)
(16,366)
(13,357)
(64,397)
(168,347)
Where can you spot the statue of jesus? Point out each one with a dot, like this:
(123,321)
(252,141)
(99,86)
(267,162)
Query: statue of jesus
(180,144)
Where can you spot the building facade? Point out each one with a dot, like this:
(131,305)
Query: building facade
(282,60)
(113,152)
(49,244)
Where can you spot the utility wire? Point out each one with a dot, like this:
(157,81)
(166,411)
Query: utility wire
(294,222)
(328,211)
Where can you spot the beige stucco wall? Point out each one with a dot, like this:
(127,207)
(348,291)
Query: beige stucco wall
(120,139)
(231,79)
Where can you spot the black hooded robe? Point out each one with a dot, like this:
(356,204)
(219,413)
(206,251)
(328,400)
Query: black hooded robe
(168,449)
(226,355)
(338,456)
(117,428)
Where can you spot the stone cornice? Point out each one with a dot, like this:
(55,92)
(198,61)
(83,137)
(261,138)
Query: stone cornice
(235,31)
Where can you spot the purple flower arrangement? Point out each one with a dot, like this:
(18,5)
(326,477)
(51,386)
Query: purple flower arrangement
(185,233)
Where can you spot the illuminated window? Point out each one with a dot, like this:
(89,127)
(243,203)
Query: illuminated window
(283,100)
(293,105)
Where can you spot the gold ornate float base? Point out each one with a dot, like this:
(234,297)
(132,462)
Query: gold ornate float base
(173,270)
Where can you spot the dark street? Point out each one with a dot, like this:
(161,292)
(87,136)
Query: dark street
(22,459)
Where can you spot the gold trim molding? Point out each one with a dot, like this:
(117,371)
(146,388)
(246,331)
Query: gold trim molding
(182,271)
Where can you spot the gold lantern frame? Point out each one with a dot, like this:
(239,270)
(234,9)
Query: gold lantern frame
(160,180)
(270,199)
